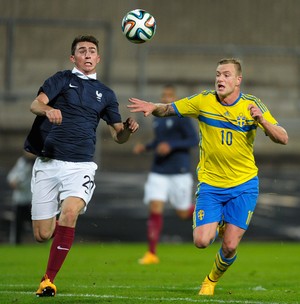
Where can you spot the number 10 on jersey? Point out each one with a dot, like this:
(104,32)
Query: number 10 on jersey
(226,137)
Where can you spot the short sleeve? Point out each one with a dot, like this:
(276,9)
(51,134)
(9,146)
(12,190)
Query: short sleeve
(54,85)
(188,106)
(111,113)
(266,113)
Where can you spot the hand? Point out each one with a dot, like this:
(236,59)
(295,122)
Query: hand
(163,149)
(138,105)
(131,125)
(256,113)
(139,148)
(54,116)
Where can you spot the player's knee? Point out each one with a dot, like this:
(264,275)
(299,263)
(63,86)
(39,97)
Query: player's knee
(201,242)
(202,238)
(229,249)
(42,235)
(68,217)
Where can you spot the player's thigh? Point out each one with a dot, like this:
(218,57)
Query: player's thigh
(44,187)
(180,191)
(209,206)
(71,207)
(239,210)
(156,188)
(204,235)
(207,214)
(78,181)
(231,238)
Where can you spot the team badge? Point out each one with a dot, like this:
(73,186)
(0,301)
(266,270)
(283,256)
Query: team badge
(241,120)
(201,214)
(98,96)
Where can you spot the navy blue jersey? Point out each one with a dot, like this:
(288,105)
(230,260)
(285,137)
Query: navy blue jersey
(181,135)
(82,102)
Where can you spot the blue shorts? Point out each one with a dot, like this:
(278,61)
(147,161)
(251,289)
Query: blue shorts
(234,205)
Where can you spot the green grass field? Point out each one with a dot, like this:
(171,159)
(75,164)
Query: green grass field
(109,273)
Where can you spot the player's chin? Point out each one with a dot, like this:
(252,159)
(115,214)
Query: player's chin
(222,93)
(89,69)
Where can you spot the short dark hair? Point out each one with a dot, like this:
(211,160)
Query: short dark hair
(237,63)
(84,38)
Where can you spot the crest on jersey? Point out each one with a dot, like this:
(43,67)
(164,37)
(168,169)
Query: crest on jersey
(98,96)
(241,120)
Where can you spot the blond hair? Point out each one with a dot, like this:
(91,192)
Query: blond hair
(235,61)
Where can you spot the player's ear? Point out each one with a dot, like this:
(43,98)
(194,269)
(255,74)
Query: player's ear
(72,58)
(239,80)
(98,58)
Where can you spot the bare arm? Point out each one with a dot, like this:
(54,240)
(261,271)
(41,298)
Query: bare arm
(40,107)
(276,133)
(156,109)
(121,132)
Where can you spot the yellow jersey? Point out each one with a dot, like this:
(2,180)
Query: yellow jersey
(227,134)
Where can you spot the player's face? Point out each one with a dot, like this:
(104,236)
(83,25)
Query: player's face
(86,57)
(168,95)
(227,80)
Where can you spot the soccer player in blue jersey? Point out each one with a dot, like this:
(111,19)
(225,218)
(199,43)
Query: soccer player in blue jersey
(170,179)
(69,106)
(227,174)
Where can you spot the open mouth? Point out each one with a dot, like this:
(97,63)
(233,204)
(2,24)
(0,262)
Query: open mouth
(220,87)
(88,63)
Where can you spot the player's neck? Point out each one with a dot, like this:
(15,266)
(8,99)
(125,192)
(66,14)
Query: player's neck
(82,74)
(229,99)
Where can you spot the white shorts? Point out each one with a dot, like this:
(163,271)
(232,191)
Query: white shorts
(174,188)
(55,180)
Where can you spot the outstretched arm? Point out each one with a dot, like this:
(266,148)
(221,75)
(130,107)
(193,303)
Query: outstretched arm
(276,133)
(156,109)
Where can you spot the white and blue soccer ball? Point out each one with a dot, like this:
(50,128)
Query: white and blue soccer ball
(138,26)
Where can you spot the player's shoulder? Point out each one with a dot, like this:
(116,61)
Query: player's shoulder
(253,99)
(249,97)
(61,77)
(63,74)
(103,87)
(55,83)
(204,93)
(208,93)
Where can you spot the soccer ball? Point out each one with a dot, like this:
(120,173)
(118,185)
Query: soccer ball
(138,26)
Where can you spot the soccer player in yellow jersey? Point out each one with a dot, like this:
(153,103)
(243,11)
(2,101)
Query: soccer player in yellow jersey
(227,174)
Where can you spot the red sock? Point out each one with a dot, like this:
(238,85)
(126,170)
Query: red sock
(155,223)
(60,247)
(191,211)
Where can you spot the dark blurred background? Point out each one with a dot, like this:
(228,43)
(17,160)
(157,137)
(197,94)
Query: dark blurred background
(191,37)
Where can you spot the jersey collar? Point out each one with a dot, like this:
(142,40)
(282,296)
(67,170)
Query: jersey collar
(224,104)
(82,76)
